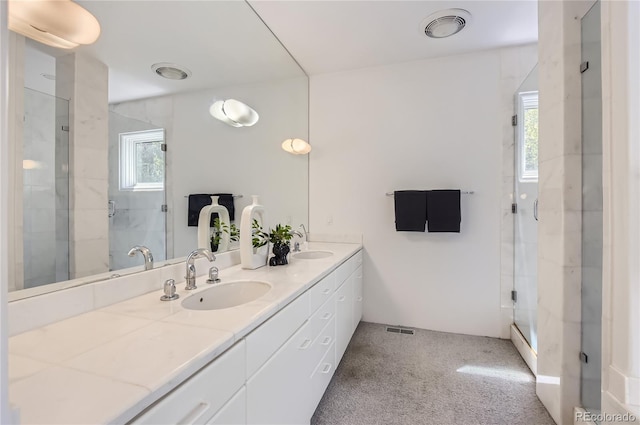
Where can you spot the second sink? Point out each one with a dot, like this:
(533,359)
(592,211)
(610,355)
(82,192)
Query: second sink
(312,255)
(226,295)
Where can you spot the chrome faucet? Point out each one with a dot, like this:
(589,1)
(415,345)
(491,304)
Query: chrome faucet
(191,267)
(304,229)
(296,246)
(146,253)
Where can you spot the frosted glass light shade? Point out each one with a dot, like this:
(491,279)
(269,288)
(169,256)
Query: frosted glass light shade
(234,113)
(296,146)
(57,23)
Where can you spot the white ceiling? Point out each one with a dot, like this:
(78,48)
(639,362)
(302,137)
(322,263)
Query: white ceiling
(328,36)
(223,43)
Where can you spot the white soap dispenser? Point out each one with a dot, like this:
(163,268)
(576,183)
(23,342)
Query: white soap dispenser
(252,258)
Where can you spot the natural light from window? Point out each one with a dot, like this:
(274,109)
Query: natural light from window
(142,160)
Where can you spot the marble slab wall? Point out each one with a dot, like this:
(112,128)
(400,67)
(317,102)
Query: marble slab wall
(559,208)
(84,81)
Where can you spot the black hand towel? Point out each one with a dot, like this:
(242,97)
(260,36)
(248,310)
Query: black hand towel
(411,210)
(443,211)
(197,201)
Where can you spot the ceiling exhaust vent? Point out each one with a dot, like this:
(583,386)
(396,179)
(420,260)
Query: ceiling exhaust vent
(445,23)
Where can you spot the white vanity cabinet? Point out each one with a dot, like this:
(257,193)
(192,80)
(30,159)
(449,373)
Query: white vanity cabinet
(198,399)
(278,373)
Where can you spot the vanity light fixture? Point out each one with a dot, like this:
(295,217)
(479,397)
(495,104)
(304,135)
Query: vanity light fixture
(57,23)
(234,113)
(296,146)
(445,23)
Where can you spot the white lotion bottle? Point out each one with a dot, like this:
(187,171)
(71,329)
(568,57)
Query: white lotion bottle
(204,225)
(251,258)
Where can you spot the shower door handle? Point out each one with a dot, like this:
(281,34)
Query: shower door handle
(535,209)
(112,208)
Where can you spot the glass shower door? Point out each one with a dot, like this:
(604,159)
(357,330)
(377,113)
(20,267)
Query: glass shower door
(137,190)
(525,206)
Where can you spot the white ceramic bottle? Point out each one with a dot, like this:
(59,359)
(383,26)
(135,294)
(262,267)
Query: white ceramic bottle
(251,258)
(204,223)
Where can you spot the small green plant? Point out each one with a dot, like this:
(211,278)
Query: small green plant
(281,235)
(234,233)
(259,237)
(218,228)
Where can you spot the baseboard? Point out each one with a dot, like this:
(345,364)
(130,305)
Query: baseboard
(528,355)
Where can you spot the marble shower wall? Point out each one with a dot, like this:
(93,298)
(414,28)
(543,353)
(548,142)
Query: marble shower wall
(559,208)
(46,189)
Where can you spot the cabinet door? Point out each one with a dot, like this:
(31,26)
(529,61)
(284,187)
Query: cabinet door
(357,297)
(234,412)
(344,316)
(278,392)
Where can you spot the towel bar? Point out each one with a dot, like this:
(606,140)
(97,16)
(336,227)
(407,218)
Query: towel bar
(464,192)
(234,196)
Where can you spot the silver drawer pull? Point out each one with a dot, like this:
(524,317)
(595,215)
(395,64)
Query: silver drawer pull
(195,414)
(326,316)
(359,299)
(327,341)
(326,291)
(341,298)
(305,344)
(326,368)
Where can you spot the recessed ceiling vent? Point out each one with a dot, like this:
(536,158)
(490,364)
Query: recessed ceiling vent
(171,71)
(445,23)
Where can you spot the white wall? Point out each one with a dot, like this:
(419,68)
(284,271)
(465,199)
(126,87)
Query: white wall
(427,124)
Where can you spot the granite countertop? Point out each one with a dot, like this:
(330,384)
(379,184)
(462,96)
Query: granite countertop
(108,365)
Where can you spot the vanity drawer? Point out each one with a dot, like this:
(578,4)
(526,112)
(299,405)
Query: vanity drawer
(266,339)
(202,395)
(321,378)
(322,343)
(322,291)
(323,316)
(342,273)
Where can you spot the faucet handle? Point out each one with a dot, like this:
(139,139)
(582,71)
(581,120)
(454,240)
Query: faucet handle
(213,275)
(169,291)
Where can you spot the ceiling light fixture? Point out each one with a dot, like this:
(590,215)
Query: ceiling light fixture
(171,71)
(234,113)
(445,23)
(57,23)
(296,146)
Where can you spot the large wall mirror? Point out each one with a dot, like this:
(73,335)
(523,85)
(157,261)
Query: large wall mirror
(107,151)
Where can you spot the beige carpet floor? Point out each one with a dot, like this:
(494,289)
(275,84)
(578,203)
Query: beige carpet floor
(430,378)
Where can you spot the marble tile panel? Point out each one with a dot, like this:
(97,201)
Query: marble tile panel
(89,257)
(592,183)
(507,258)
(89,194)
(78,397)
(138,358)
(90,224)
(23,367)
(71,337)
(41,220)
(30,313)
(42,197)
(90,163)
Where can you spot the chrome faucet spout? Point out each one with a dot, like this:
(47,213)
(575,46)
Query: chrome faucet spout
(191,267)
(295,232)
(146,254)
(304,229)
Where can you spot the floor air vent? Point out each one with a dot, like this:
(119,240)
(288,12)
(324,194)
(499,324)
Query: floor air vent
(399,330)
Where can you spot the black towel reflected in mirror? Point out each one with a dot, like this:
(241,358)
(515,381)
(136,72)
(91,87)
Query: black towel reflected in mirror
(200,200)
(443,211)
(411,210)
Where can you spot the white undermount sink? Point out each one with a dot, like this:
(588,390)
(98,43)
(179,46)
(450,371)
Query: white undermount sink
(312,255)
(226,295)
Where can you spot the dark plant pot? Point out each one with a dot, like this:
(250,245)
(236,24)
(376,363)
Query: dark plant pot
(280,252)
(214,247)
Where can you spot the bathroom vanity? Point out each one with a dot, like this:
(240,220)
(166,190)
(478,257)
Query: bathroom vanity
(150,362)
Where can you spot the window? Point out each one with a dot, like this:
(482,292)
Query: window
(142,160)
(528,136)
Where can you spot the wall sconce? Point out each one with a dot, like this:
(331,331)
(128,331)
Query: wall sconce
(57,23)
(296,146)
(234,113)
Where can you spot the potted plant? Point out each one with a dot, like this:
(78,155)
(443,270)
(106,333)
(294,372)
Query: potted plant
(259,237)
(218,228)
(280,237)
